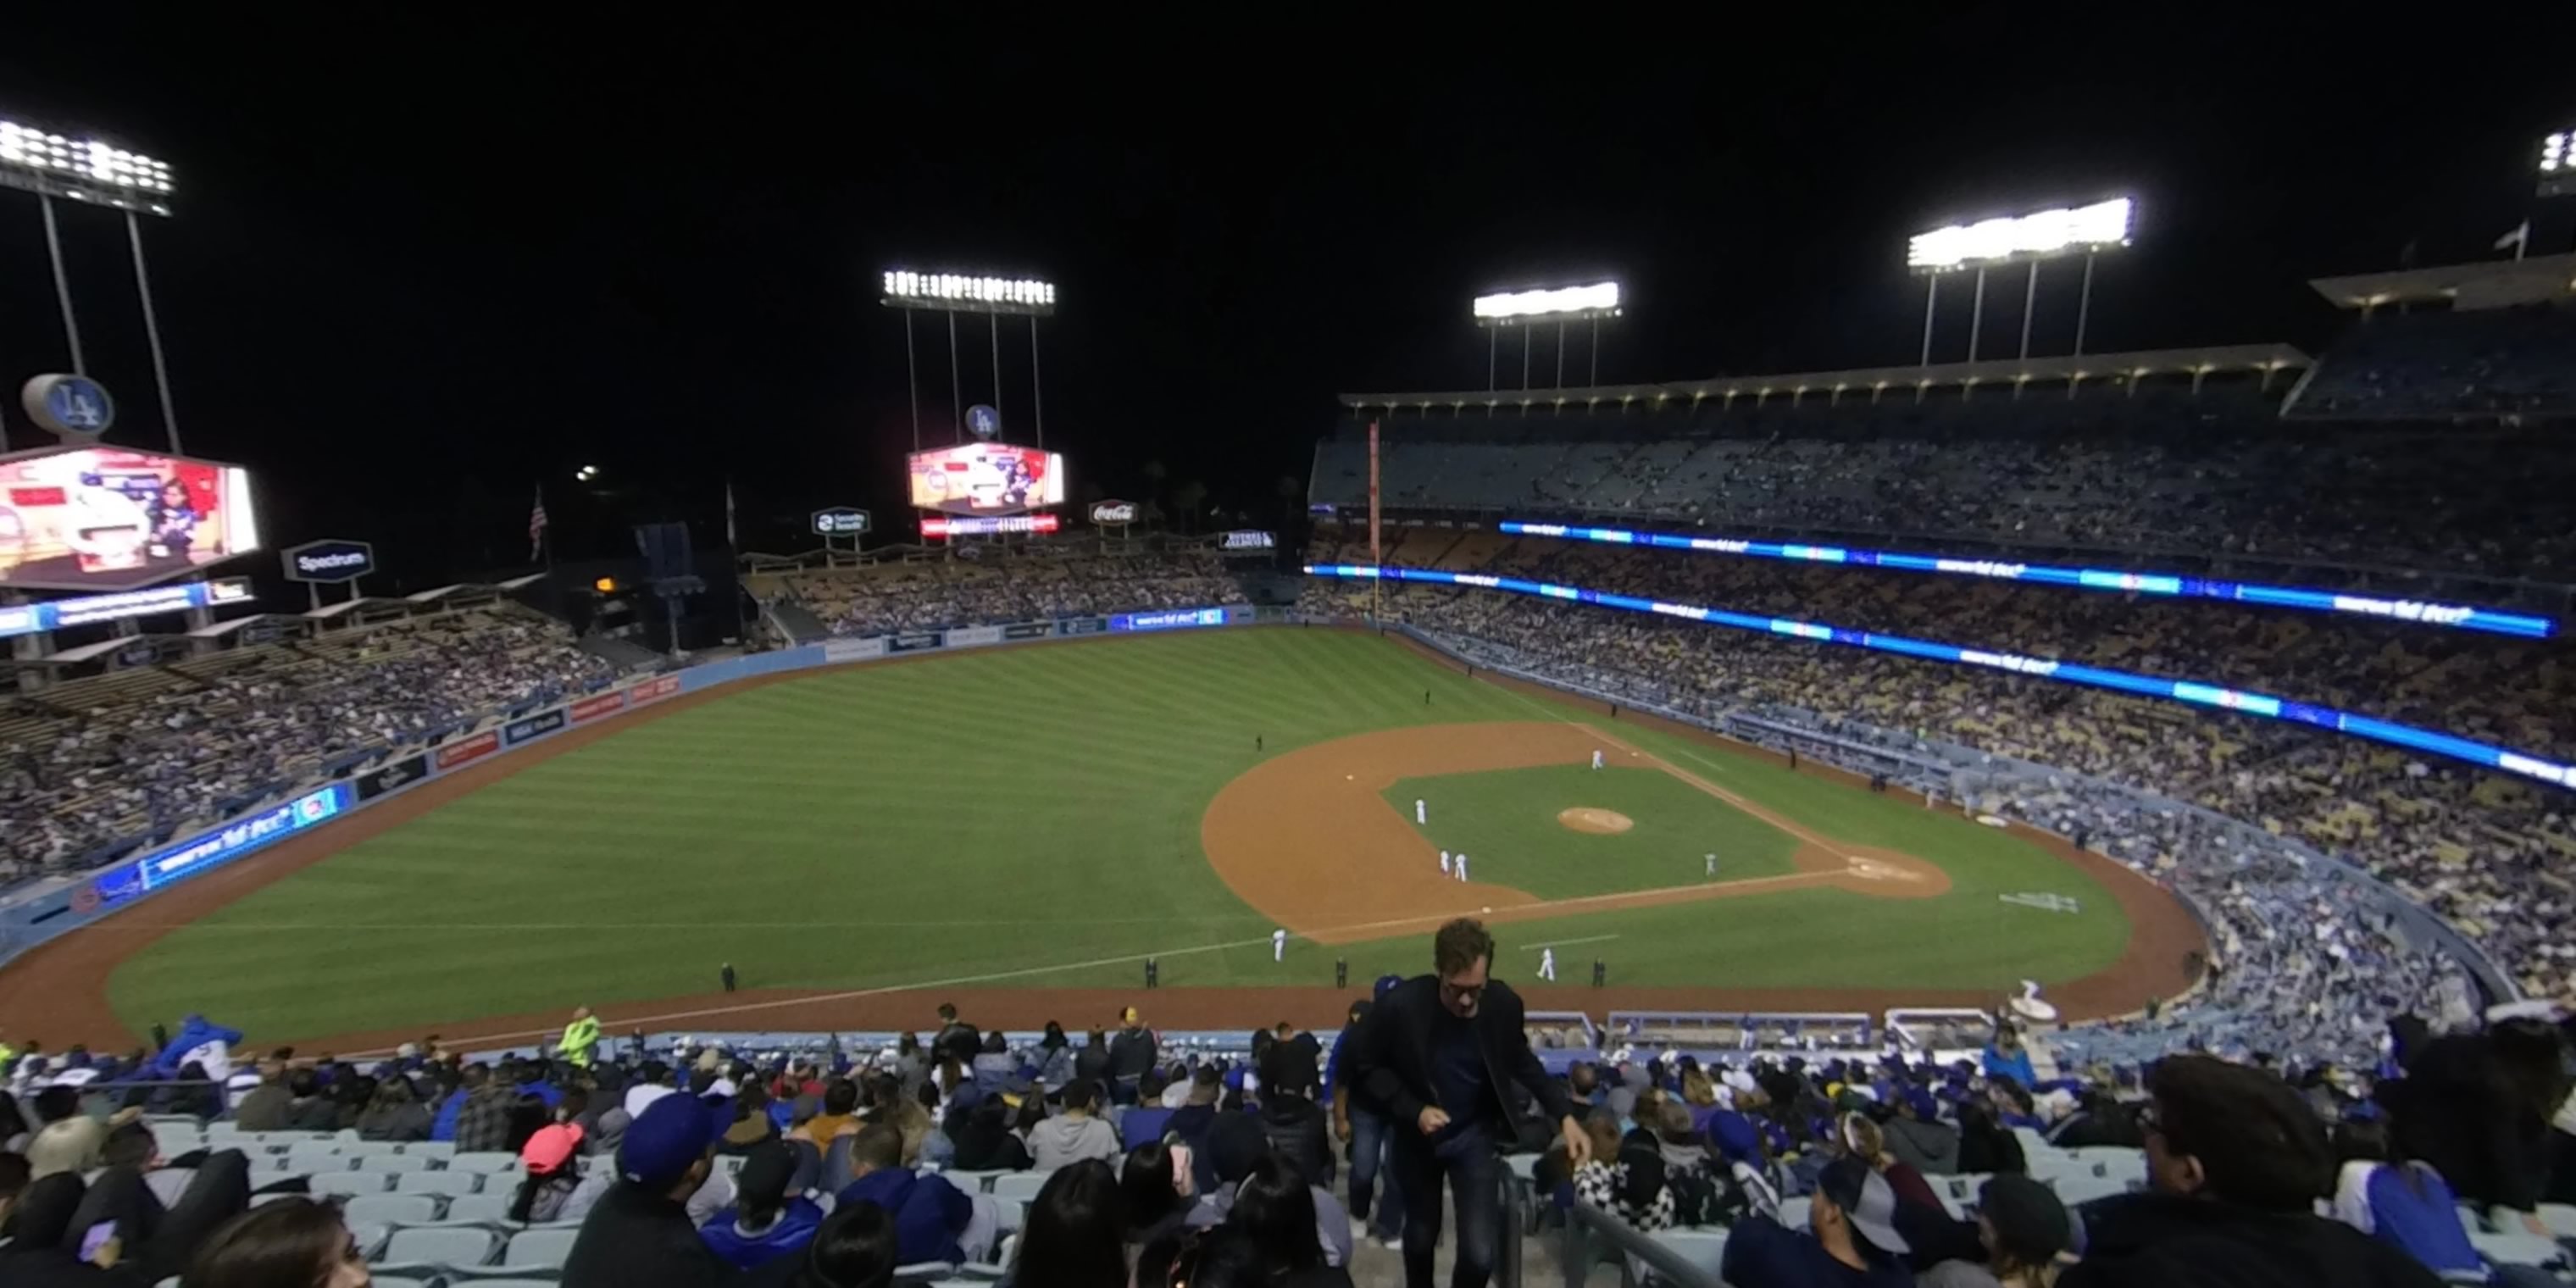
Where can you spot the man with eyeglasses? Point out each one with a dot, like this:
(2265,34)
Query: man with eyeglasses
(2236,1162)
(1438,1055)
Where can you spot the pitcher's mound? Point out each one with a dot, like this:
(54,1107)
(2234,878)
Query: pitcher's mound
(1602,822)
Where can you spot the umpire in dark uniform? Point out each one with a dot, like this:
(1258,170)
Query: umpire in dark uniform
(1436,1056)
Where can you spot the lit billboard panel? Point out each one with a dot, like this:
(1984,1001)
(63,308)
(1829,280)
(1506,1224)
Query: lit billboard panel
(110,518)
(986,478)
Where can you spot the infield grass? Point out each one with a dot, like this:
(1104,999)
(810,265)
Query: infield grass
(1030,816)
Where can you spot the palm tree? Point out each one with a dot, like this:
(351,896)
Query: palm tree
(1187,497)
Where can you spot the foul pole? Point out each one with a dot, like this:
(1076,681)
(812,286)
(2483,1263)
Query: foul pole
(1375,557)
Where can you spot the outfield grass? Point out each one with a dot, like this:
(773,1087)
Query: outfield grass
(1505,821)
(1023,816)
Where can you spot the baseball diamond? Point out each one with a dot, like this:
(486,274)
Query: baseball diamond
(1165,797)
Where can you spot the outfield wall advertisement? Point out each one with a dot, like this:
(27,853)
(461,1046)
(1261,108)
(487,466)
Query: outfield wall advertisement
(40,913)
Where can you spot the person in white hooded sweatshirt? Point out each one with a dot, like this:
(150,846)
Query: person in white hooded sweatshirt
(1075,1134)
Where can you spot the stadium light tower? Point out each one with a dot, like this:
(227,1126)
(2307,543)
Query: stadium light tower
(97,173)
(2030,239)
(2558,164)
(955,293)
(1590,302)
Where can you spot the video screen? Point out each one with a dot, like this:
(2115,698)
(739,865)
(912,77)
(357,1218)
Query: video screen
(986,478)
(107,518)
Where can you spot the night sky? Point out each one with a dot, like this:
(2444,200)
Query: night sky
(420,266)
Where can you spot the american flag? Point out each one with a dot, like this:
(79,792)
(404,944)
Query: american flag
(537,526)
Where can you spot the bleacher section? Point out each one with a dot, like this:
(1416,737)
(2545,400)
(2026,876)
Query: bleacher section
(2194,478)
(1037,583)
(96,765)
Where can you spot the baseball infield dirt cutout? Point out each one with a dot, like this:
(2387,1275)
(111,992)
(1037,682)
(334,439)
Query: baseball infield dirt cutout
(1598,822)
(1306,837)
(1276,839)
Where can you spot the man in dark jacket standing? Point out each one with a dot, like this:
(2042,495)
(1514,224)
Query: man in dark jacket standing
(1131,1053)
(639,1235)
(1438,1055)
(2237,1161)
(1294,1123)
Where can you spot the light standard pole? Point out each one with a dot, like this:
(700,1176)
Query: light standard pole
(93,172)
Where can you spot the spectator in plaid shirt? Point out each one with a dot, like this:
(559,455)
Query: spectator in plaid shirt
(484,1123)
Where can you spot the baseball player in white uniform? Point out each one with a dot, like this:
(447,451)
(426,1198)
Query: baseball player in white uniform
(1279,945)
(1712,867)
(1444,863)
(1596,758)
(1462,866)
(1421,813)
(1547,964)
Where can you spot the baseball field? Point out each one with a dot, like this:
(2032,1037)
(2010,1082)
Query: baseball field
(1023,828)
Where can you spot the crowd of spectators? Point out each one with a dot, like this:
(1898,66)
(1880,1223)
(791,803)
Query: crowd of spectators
(2174,480)
(1038,584)
(144,752)
(2431,366)
(2437,1158)
(2478,848)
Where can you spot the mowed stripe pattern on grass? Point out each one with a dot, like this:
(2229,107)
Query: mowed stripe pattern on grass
(862,827)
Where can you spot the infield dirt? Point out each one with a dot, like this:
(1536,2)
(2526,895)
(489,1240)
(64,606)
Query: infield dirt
(1270,838)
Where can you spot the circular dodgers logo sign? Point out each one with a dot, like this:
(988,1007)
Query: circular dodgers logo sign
(983,422)
(71,407)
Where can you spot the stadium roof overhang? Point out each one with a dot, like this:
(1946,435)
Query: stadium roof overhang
(225,630)
(2263,358)
(2486,284)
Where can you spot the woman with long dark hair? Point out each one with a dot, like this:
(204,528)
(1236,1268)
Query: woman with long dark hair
(1155,1182)
(855,1248)
(291,1243)
(1074,1237)
(394,1113)
(1275,1210)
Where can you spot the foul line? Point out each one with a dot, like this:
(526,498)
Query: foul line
(1668,893)
(1569,943)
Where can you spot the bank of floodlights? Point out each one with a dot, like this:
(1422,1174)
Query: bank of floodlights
(1558,305)
(2021,239)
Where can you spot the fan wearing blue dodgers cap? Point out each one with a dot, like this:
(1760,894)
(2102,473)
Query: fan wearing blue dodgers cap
(640,1235)
(1851,1241)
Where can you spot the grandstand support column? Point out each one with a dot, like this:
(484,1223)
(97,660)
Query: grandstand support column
(1931,296)
(956,400)
(2029,300)
(2084,304)
(995,319)
(1493,343)
(152,330)
(912,380)
(62,285)
(1560,355)
(1525,351)
(1977,315)
(1593,381)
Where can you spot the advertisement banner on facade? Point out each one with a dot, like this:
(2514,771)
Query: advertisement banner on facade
(653,690)
(1082,626)
(474,748)
(535,726)
(401,773)
(1027,631)
(848,650)
(969,636)
(912,641)
(593,708)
